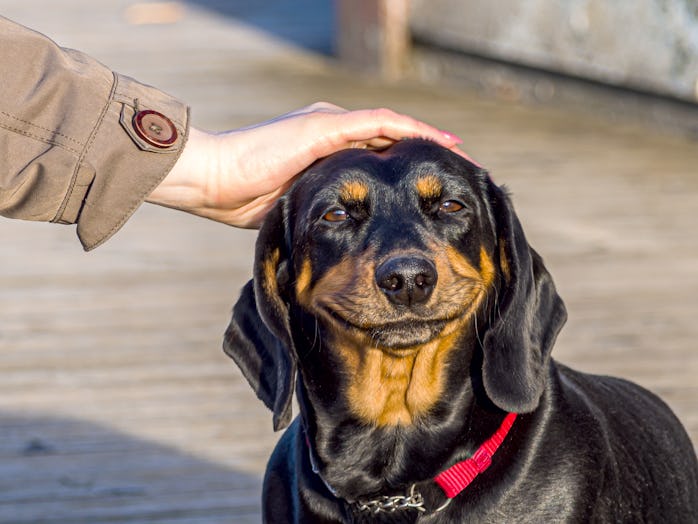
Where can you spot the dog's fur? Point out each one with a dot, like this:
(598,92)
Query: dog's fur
(397,292)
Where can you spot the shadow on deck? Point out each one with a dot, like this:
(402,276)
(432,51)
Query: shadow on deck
(66,471)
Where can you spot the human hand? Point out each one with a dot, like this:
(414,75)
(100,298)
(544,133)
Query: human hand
(236,176)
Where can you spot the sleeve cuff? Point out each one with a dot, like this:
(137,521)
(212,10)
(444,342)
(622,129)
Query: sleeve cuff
(134,145)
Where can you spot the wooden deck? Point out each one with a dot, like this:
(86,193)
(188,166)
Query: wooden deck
(116,401)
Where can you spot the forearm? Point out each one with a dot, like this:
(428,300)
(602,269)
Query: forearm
(70,152)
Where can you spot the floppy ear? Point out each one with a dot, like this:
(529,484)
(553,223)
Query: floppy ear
(526,320)
(258,338)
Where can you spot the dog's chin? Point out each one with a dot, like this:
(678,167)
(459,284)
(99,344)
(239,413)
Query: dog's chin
(405,336)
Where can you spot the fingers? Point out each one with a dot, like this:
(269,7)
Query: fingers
(329,128)
(374,144)
(317,107)
(380,128)
(368,125)
(372,128)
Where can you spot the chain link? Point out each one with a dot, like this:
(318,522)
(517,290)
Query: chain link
(385,504)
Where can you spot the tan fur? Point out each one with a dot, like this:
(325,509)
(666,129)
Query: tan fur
(353,191)
(304,278)
(503,262)
(389,387)
(269,266)
(429,186)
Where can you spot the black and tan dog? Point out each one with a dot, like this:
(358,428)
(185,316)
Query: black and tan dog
(397,293)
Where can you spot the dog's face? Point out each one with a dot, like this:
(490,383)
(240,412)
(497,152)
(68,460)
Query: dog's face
(379,270)
(392,254)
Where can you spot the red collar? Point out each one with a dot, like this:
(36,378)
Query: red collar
(452,481)
(459,476)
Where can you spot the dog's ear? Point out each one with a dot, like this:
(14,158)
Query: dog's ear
(259,337)
(526,319)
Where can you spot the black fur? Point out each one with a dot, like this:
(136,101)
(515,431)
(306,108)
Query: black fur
(583,449)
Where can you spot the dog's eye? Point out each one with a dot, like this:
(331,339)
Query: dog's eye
(335,215)
(450,206)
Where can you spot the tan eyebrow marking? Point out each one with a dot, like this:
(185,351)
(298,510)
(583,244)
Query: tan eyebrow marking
(353,191)
(429,186)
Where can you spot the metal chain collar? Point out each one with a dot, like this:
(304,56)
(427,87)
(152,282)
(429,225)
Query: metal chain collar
(386,504)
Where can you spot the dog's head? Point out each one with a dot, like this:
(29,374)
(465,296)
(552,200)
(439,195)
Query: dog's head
(380,270)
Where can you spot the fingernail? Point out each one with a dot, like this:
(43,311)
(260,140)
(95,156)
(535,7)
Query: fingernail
(451,137)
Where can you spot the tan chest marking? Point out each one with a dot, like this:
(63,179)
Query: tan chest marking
(391,390)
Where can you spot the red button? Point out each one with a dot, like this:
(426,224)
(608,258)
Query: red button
(155,128)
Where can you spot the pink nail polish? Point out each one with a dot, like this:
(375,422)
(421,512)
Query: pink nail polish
(452,137)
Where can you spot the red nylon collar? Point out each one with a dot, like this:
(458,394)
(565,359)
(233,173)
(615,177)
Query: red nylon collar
(459,476)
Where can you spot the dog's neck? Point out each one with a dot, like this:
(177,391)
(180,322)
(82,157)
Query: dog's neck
(356,458)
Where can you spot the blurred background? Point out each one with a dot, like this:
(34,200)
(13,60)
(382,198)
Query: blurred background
(116,401)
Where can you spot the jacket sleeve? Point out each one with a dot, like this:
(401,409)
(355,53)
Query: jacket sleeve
(71,149)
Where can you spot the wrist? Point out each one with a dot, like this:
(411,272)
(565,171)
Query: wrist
(185,186)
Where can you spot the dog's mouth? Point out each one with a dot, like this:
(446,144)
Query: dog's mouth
(406,335)
(399,336)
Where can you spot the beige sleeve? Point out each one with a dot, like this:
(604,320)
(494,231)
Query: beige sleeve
(69,152)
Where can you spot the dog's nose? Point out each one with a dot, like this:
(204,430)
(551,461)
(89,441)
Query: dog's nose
(406,280)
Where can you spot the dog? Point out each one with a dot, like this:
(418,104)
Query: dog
(396,293)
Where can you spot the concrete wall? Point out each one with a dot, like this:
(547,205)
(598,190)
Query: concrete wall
(651,45)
